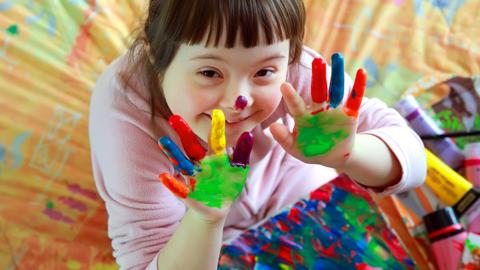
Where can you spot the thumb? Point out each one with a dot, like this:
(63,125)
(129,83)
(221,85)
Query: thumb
(283,136)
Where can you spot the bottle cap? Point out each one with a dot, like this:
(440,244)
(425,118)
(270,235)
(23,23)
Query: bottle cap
(440,219)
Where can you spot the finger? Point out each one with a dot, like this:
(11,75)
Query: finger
(190,143)
(356,95)
(283,136)
(295,103)
(319,81)
(241,154)
(217,135)
(337,80)
(179,160)
(176,187)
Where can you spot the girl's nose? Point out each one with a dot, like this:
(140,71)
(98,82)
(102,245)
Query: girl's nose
(237,99)
(240,103)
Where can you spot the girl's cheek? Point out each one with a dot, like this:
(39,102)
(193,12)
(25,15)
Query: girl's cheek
(269,99)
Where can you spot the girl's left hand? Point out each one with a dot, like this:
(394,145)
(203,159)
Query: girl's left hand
(324,132)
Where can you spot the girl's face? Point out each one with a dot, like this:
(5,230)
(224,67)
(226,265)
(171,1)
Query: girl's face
(200,79)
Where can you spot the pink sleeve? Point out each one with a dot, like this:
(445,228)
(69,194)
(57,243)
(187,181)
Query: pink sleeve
(377,119)
(142,213)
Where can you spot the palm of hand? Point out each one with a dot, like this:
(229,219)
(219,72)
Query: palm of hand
(325,137)
(324,131)
(213,181)
(218,181)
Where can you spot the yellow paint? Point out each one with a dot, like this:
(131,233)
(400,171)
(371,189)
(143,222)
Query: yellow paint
(217,136)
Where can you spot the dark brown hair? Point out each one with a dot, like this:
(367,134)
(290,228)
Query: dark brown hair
(170,23)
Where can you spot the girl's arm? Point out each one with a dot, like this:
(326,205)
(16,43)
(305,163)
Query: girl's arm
(195,244)
(372,163)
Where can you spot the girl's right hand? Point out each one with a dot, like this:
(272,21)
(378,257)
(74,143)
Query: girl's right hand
(209,184)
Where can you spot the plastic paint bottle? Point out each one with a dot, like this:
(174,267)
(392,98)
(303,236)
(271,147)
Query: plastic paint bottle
(451,188)
(472,163)
(447,237)
(423,124)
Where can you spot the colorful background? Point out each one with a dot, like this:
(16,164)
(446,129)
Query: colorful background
(51,53)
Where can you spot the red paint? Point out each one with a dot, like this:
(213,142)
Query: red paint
(317,111)
(283,227)
(319,89)
(176,187)
(329,252)
(190,143)
(393,245)
(192,182)
(324,194)
(356,95)
(294,215)
(285,254)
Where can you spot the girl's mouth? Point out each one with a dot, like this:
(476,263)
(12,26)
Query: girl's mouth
(231,121)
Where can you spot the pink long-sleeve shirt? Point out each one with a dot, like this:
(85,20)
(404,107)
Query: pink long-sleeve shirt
(143,214)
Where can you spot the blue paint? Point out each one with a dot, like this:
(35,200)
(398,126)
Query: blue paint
(179,160)
(322,237)
(337,81)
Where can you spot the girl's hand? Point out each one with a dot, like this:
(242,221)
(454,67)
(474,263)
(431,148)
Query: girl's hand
(324,133)
(210,183)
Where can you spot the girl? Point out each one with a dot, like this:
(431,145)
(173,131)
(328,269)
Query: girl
(193,59)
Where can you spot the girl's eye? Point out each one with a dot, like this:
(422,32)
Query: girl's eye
(210,73)
(264,73)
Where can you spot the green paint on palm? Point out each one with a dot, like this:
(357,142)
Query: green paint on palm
(315,135)
(218,182)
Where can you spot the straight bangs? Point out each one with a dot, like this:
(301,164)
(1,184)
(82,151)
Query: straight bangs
(251,21)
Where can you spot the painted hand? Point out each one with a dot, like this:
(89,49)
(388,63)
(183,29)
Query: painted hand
(324,132)
(213,181)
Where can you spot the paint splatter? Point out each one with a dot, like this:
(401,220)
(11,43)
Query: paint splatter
(342,230)
(73,203)
(55,215)
(218,182)
(13,30)
(49,204)
(75,188)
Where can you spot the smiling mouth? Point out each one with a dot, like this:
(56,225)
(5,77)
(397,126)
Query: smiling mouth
(229,122)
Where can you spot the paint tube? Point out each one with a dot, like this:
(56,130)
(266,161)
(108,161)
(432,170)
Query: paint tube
(423,124)
(452,189)
(472,221)
(472,163)
(447,237)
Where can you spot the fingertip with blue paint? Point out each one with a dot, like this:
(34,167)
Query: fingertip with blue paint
(176,156)
(337,81)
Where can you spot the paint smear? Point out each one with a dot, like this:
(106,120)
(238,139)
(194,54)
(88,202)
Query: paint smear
(342,229)
(55,215)
(73,203)
(75,188)
(318,134)
(13,30)
(218,182)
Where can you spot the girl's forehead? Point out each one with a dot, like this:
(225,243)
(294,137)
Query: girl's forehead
(202,48)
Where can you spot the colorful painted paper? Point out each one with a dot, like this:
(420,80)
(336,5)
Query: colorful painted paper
(338,227)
